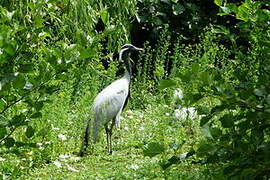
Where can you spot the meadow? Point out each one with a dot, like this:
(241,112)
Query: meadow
(200,95)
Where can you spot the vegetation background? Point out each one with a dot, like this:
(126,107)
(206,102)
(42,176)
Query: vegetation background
(200,96)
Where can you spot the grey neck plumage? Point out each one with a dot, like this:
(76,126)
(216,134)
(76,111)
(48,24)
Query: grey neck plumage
(124,57)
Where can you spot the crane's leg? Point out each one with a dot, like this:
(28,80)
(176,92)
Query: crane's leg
(110,130)
(109,135)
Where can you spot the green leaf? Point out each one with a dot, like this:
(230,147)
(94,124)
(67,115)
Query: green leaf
(19,82)
(227,121)
(178,9)
(86,53)
(18,120)
(225,10)
(206,132)
(171,161)
(30,131)
(153,149)
(43,131)
(185,76)
(9,142)
(218,109)
(259,92)
(205,120)
(36,115)
(218,2)
(38,105)
(2,104)
(206,149)
(10,49)
(165,83)
(205,77)
(3,132)
(215,132)
(243,13)
(195,68)
(26,68)
(268,99)
(104,14)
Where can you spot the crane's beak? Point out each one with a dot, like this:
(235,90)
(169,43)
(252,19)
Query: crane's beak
(139,49)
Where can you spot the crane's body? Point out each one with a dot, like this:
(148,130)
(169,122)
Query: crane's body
(109,104)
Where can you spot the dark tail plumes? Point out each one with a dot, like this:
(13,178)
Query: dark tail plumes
(85,139)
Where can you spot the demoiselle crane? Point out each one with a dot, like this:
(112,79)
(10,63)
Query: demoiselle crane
(109,103)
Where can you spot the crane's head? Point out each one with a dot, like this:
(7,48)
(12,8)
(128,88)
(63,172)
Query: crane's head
(131,47)
(123,55)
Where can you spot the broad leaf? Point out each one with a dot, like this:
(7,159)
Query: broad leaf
(43,131)
(19,82)
(178,9)
(9,142)
(153,149)
(205,149)
(30,131)
(218,2)
(18,120)
(104,14)
(2,104)
(26,68)
(166,84)
(3,132)
(206,132)
(205,120)
(86,53)
(227,121)
(36,115)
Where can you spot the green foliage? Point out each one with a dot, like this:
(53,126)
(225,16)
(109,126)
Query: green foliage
(236,123)
(186,18)
(236,128)
(55,56)
(153,149)
(45,47)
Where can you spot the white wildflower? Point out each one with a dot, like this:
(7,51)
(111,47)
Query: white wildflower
(183,156)
(2,159)
(178,94)
(167,114)
(41,34)
(130,117)
(134,166)
(176,114)
(50,5)
(184,113)
(55,128)
(192,112)
(57,163)
(39,144)
(63,156)
(141,128)
(72,169)
(48,142)
(62,137)
(129,112)
(75,158)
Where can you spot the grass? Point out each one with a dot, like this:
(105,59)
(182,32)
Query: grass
(138,128)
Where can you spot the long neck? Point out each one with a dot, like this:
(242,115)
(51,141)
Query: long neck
(124,57)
